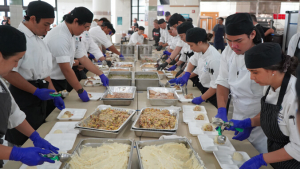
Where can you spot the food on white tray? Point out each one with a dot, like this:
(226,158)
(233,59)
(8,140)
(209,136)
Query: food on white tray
(90,95)
(237,156)
(197,108)
(57,131)
(177,87)
(67,114)
(200,117)
(189,96)
(89,82)
(158,95)
(216,140)
(119,95)
(207,127)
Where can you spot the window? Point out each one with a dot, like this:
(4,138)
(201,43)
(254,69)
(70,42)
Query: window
(138,10)
(1,2)
(26,2)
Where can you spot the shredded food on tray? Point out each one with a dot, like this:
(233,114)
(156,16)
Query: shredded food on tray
(146,77)
(146,60)
(150,65)
(116,95)
(177,87)
(124,65)
(106,156)
(110,76)
(200,117)
(108,119)
(197,108)
(159,72)
(119,70)
(157,119)
(158,95)
(189,96)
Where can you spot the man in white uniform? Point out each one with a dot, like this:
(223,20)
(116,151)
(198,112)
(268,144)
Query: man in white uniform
(294,46)
(235,77)
(165,37)
(137,38)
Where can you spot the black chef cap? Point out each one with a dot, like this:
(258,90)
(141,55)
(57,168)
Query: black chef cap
(40,9)
(184,27)
(238,24)
(141,28)
(196,35)
(168,27)
(108,25)
(263,55)
(113,31)
(161,21)
(298,83)
(11,40)
(167,13)
(175,18)
(82,14)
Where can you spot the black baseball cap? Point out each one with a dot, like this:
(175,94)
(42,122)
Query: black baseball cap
(40,9)
(82,14)
(167,13)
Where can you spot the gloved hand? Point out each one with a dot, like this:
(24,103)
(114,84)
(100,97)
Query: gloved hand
(254,163)
(122,57)
(59,103)
(108,62)
(167,53)
(222,114)
(184,79)
(158,48)
(38,141)
(104,80)
(173,62)
(242,135)
(84,96)
(244,124)
(172,68)
(110,33)
(162,66)
(104,54)
(166,57)
(172,81)
(30,156)
(91,56)
(197,100)
(44,94)
(107,49)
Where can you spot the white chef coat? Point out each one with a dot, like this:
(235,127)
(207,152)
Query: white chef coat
(206,62)
(136,38)
(185,48)
(293,44)
(90,45)
(64,48)
(289,108)
(174,41)
(37,61)
(165,37)
(246,93)
(94,24)
(16,116)
(180,43)
(100,37)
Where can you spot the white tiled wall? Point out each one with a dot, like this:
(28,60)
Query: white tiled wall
(16,15)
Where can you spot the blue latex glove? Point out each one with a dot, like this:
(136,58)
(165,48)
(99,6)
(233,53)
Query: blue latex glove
(59,103)
(110,33)
(38,141)
(91,56)
(122,57)
(104,55)
(104,80)
(30,156)
(84,96)
(167,53)
(184,79)
(172,68)
(254,163)
(242,135)
(173,80)
(44,94)
(222,114)
(107,49)
(197,100)
(244,124)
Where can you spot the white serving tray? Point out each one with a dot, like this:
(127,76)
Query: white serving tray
(191,117)
(64,141)
(195,128)
(65,127)
(95,83)
(184,100)
(95,96)
(78,114)
(208,145)
(225,160)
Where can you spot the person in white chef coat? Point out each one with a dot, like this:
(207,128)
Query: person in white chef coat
(99,35)
(137,38)
(64,47)
(274,70)
(30,82)
(12,49)
(165,37)
(294,46)
(234,77)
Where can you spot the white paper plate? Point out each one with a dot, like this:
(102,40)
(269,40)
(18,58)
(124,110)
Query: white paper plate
(189,109)
(46,165)
(64,141)
(195,128)
(78,114)
(65,127)
(225,160)
(178,91)
(184,100)
(208,145)
(95,96)
(191,117)
(95,83)
(95,78)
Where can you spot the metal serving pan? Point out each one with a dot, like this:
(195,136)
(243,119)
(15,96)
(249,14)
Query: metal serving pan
(128,58)
(112,69)
(96,142)
(163,102)
(119,64)
(142,84)
(148,59)
(142,144)
(120,81)
(131,112)
(161,76)
(143,66)
(119,89)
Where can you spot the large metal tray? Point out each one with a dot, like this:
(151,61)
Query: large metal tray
(124,68)
(121,81)
(116,101)
(148,59)
(96,142)
(161,76)
(143,65)
(135,125)
(163,102)
(128,58)
(142,144)
(131,112)
(118,64)
(142,84)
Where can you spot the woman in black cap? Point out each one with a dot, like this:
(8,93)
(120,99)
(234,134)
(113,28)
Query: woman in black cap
(272,69)
(12,49)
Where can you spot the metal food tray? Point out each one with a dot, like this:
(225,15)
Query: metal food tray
(121,81)
(131,112)
(143,59)
(118,64)
(142,144)
(119,101)
(128,58)
(135,125)
(163,102)
(161,76)
(125,69)
(142,84)
(96,142)
(154,63)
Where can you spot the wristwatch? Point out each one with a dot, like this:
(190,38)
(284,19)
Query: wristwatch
(80,91)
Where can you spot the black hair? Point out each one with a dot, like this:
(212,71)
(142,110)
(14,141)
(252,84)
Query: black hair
(27,18)
(7,55)
(175,18)
(104,19)
(70,18)
(168,27)
(189,20)
(288,64)
(208,38)
(221,18)
(253,17)
(141,28)
(257,38)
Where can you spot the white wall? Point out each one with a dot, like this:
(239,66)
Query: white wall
(224,8)
(289,6)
